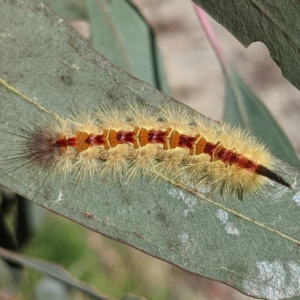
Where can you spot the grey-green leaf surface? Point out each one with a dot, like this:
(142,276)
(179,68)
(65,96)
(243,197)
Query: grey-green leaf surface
(69,9)
(294,298)
(251,245)
(242,108)
(276,23)
(52,270)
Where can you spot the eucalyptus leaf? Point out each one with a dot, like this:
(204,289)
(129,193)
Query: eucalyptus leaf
(69,9)
(46,69)
(52,270)
(276,23)
(121,35)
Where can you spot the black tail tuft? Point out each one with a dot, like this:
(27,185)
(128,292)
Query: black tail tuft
(261,170)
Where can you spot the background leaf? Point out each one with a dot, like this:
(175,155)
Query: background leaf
(122,36)
(275,23)
(251,245)
(243,108)
(69,9)
(52,270)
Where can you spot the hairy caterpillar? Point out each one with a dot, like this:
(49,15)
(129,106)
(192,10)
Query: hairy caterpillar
(164,142)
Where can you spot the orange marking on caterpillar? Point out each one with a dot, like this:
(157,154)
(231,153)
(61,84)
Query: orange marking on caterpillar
(200,145)
(111,140)
(82,143)
(141,137)
(172,139)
